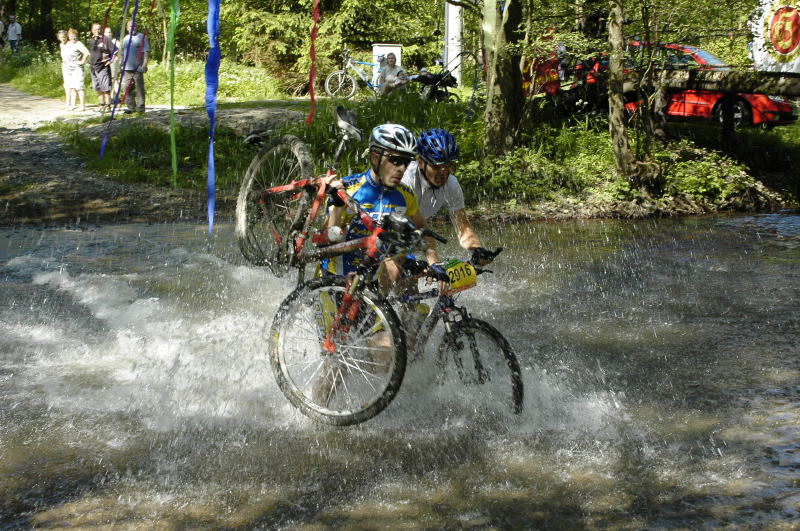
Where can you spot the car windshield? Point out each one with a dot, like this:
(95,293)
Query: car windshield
(709,58)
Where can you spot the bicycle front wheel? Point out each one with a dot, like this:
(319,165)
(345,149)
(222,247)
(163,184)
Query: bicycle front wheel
(264,221)
(484,361)
(340,84)
(362,374)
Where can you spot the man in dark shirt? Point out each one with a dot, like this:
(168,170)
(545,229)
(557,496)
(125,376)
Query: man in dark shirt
(100,50)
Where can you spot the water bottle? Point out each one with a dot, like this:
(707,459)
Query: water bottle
(327,237)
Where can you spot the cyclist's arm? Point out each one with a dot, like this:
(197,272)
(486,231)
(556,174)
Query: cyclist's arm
(431,253)
(335,213)
(466,234)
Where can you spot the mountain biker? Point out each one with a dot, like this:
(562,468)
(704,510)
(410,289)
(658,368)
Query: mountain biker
(432,180)
(378,191)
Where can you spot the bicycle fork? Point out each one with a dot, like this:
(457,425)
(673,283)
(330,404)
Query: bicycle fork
(461,338)
(346,315)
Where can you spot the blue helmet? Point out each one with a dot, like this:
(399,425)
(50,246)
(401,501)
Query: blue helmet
(437,146)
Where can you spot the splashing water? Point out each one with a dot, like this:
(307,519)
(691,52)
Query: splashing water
(659,361)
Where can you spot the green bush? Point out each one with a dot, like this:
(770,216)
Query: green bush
(560,161)
(704,175)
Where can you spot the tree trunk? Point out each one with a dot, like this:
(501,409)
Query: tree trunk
(504,98)
(623,156)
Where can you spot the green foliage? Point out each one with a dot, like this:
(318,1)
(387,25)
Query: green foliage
(705,175)
(36,69)
(406,109)
(142,154)
(559,161)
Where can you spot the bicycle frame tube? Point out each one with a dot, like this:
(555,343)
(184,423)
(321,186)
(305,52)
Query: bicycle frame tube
(360,73)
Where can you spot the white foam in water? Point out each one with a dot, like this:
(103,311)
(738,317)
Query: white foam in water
(165,358)
(200,354)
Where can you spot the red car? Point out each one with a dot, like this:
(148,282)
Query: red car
(750,109)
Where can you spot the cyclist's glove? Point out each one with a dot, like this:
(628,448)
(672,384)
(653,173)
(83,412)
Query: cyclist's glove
(437,272)
(415,267)
(481,256)
(334,199)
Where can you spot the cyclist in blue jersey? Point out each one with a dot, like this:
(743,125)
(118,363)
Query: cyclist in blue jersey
(378,191)
(433,183)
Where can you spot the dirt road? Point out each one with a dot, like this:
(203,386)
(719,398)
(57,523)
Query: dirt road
(42,182)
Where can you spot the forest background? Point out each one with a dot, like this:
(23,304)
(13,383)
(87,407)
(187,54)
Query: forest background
(516,150)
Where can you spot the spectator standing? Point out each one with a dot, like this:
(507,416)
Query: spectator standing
(2,34)
(116,60)
(77,54)
(136,52)
(14,33)
(62,43)
(100,50)
(391,75)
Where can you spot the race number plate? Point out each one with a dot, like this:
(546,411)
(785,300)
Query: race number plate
(462,275)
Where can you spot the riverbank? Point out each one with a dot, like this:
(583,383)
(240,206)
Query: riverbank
(43,181)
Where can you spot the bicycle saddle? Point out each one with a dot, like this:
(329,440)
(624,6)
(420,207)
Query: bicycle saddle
(346,120)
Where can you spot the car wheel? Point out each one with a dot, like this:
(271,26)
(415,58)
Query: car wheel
(742,115)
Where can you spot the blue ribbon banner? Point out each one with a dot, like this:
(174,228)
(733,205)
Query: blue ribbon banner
(121,73)
(212,85)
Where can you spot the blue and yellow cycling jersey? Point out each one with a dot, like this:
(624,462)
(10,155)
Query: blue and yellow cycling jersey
(377,200)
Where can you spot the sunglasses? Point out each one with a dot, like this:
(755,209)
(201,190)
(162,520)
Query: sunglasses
(397,160)
(447,167)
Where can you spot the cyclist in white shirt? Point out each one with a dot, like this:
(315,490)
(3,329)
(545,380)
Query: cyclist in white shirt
(432,180)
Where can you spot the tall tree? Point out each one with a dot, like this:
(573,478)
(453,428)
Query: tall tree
(504,98)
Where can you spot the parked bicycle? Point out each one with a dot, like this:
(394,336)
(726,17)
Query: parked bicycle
(342,84)
(337,347)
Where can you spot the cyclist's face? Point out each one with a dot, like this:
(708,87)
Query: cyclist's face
(391,167)
(435,174)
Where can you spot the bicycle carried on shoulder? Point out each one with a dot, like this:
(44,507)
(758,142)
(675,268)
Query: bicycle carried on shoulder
(337,347)
(342,84)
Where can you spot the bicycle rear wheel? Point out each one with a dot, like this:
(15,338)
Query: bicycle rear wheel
(484,361)
(264,221)
(340,84)
(360,377)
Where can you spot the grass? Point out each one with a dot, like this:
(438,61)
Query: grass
(142,154)
(36,69)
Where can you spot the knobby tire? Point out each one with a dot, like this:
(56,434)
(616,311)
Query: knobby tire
(483,358)
(355,382)
(264,221)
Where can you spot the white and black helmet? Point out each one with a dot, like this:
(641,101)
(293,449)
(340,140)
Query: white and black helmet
(394,137)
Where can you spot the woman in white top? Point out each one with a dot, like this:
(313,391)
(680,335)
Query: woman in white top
(62,42)
(391,76)
(76,55)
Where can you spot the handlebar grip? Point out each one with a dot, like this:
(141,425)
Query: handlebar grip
(434,235)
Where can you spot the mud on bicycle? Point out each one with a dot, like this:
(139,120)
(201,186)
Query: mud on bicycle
(337,347)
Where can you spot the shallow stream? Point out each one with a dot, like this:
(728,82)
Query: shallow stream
(661,363)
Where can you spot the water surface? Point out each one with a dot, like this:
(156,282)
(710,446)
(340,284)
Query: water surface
(660,363)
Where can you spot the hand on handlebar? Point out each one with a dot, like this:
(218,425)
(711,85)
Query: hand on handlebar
(437,272)
(482,256)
